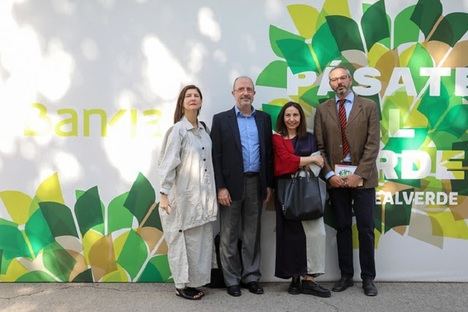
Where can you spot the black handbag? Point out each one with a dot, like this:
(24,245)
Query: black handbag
(302,196)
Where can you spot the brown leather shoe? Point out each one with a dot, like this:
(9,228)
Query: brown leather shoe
(342,284)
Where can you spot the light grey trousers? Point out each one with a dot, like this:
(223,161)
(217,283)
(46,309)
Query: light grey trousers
(189,255)
(241,221)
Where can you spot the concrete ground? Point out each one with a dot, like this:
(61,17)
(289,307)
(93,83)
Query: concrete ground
(414,297)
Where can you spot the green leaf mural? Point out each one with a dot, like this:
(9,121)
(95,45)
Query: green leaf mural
(399,213)
(58,261)
(274,75)
(278,34)
(38,232)
(51,239)
(374,24)
(325,47)
(456,121)
(346,33)
(88,210)
(425,15)
(415,116)
(133,254)
(119,216)
(405,29)
(12,243)
(451,28)
(140,198)
(59,219)
(297,54)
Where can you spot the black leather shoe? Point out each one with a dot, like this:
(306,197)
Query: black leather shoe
(369,288)
(342,284)
(295,286)
(313,288)
(254,288)
(234,290)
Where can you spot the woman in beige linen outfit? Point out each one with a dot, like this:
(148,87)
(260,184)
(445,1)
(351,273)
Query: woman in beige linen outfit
(188,196)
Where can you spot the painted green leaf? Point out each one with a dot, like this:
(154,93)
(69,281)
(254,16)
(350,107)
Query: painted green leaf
(154,219)
(38,231)
(311,97)
(456,121)
(59,218)
(274,75)
(297,54)
(325,47)
(443,140)
(58,261)
(346,32)
(133,254)
(405,30)
(398,213)
(433,107)
(277,34)
(419,58)
(119,216)
(425,14)
(374,24)
(88,210)
(140,197)
(36,276)
(451,28)
(84,277)
(273,111)
(157,270)
(12,242)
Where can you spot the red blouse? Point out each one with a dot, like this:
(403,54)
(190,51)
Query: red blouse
(286,161)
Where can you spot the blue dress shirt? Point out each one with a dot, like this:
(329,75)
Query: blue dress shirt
(249,140)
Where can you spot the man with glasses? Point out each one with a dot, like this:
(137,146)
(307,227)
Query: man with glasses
(242,160)
(347,129)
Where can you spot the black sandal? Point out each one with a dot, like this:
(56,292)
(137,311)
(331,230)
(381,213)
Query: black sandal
(189,293)
(197,291)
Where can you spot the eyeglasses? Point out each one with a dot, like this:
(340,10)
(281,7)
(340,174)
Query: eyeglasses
(344,77)
(241,90)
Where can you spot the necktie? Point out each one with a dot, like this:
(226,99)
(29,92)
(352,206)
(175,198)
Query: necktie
(342,117)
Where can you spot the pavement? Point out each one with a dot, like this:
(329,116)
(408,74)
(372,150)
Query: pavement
(414,297)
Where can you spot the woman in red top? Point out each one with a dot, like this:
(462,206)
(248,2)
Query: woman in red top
(300,245)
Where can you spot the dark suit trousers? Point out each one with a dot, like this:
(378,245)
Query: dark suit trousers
(241,221)
(361,201)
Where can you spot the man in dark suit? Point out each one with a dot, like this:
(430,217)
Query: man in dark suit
(242,160)
(347,128)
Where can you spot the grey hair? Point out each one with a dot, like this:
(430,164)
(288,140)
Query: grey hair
(242,77)
(339,67)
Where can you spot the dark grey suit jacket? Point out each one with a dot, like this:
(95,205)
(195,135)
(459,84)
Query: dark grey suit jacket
(227,153)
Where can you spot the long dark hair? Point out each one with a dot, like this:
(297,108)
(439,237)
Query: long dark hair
(179,111)
(281,126)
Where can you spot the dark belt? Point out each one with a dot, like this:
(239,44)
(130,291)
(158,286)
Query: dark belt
(250,174)
(347,163)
